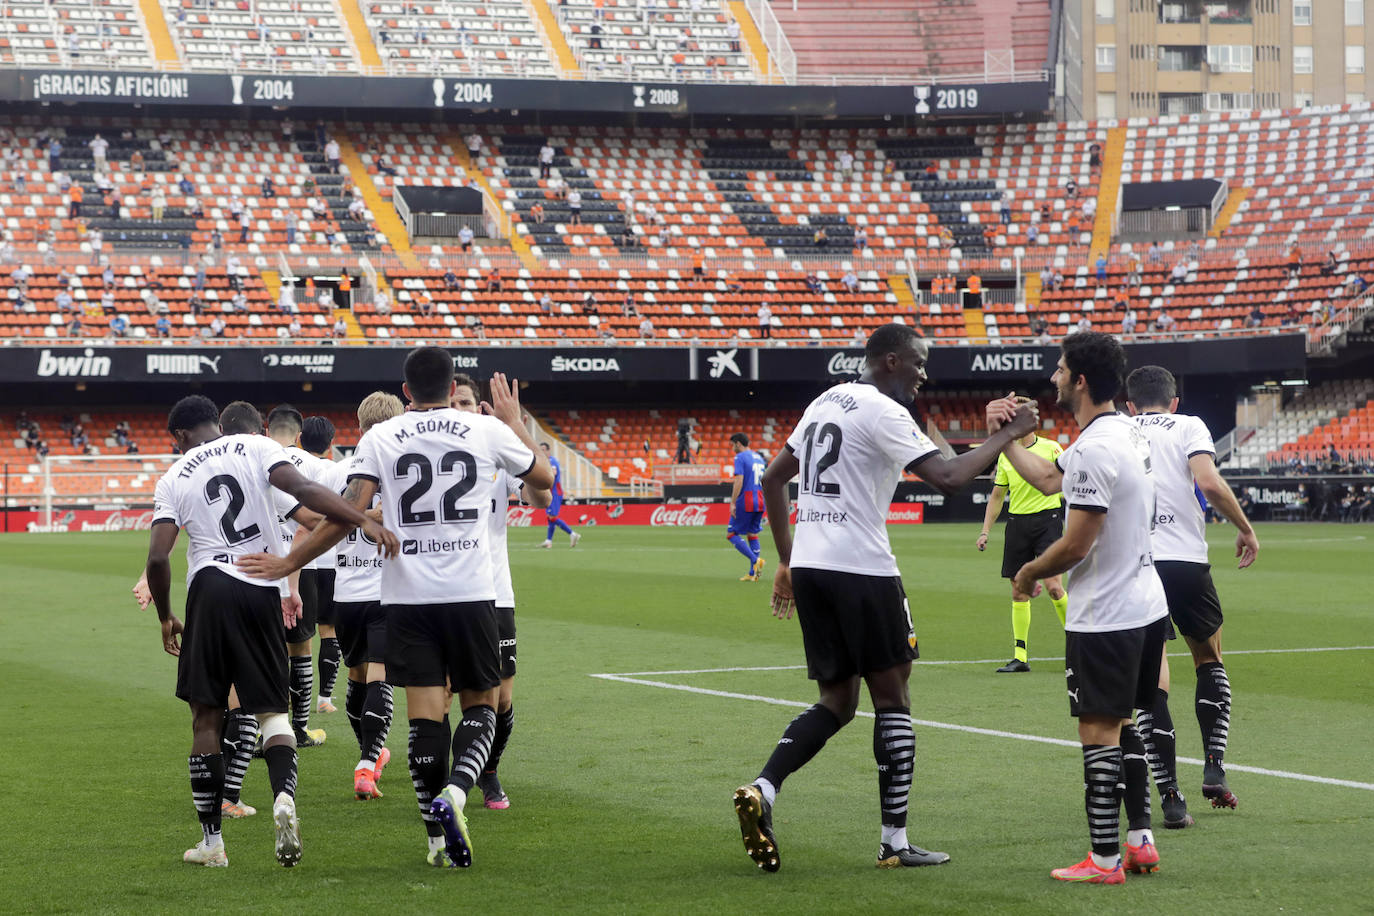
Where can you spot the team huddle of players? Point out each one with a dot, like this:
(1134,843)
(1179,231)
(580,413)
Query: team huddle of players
(430,610)
(1133,538)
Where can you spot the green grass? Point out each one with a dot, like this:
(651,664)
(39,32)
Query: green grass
(621,792)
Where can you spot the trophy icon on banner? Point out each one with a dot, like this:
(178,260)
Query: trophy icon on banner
(639,96)
(237,82)
(922,94)
(438,86)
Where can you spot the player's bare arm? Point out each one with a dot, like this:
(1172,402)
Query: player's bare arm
(1220,497)
(159,576)
(1081,528)
(321,499)
(775,479)
(993,510)
(326,534)
(142,594)
(950,475)
(505,406)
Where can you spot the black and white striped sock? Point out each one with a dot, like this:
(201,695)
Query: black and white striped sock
(302,690)
(240,737)
(1213,702)
(471,746)
(207,791)
(505,723)
(281,768)
(1156,727)
(427,747)
(388,703)
(1135,771)
(1101,776)
(329,664)
(375,724)
(354,699)
(894,748)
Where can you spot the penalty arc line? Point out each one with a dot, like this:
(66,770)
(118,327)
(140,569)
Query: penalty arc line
(973,730)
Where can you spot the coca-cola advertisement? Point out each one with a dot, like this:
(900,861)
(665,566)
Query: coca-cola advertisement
(67,520)
(669,515)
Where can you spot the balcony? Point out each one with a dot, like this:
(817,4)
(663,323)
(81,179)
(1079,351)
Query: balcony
(1217,12)
(1181,58)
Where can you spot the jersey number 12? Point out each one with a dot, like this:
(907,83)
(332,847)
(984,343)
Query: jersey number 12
(821,451)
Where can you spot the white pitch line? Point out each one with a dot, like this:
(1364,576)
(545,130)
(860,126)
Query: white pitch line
(969,729)
(984,661)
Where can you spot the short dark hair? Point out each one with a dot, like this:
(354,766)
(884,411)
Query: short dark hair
(888,338)
(1100,359)
(463,380)
(285,418)
(192,411)
(741,438)
(1151,386)
(317,434)
(240,417)
(429,374)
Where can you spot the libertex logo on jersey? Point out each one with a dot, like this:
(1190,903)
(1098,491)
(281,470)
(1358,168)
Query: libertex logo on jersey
(412,547)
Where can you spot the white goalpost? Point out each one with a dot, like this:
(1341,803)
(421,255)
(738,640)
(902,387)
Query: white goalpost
(119,484)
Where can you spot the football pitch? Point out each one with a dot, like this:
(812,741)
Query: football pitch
(652,683)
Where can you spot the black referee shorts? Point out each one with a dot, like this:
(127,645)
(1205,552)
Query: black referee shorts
(430,645)
(1113,673)
(233,635)
(1192,597)
(361,629)
(324,586)
(852,624)
(310,608)
(1028,536)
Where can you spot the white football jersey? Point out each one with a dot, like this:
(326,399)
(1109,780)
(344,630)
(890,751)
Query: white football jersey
(1115,587)
(1180,531)
(433,469)
(218,492)
(852,444)
(359,565)
(502,489)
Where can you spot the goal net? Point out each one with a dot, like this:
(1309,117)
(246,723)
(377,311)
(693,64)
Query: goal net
(99,492)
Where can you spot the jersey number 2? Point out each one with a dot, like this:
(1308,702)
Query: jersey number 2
(215,489)
(448,505)
(822,451)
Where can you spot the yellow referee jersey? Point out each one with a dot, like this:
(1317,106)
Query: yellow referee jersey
(1024,499)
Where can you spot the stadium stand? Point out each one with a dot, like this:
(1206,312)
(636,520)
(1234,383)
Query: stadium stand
(918,36)
(491,38)
(274,36)
(671,41)
(1331,413)
(72,33)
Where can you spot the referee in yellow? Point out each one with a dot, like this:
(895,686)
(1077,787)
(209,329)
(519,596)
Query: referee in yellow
(1035,522)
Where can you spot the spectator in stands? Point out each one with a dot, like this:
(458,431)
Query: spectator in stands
(1255,318)
(119,326)
(594,36)
(765,317)
(698,266)
(558,187)
(383,164)
(63,300)
(325,299)
(1294,260)
(474,144)
(136,163)
(1180,271)
(79,438)
(1004,210)
(846,164)
(424,303)
(465,238)
(1101,269)
(1164,322)
(216,242)
(217,327)
(1089,211)
(99,149)
(451,281)
(32,437)
(1083,324)
(1072,224)
(1071,189)
(814,284)
(159,203)
(546,154)
(1330,264)
(340,328)
(1121,298)
(163,326)
(1032,234)
(574,207)
(850,281)
(628,239)
(733,284)
(820,238)
(239,301)
(589,304)
(1155,254)
(546,303)
(20,276)
(107,302)
(537,214)
(1293,315)
(185,186)
(332,155)
(245,222)
(1133,272)
(381,301)
(54,155)
(494,280)
(151,301)
(1355,285)
(1094,157)
(356,209)
(646,328)
(75,196)
(946,237)
(861,238)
